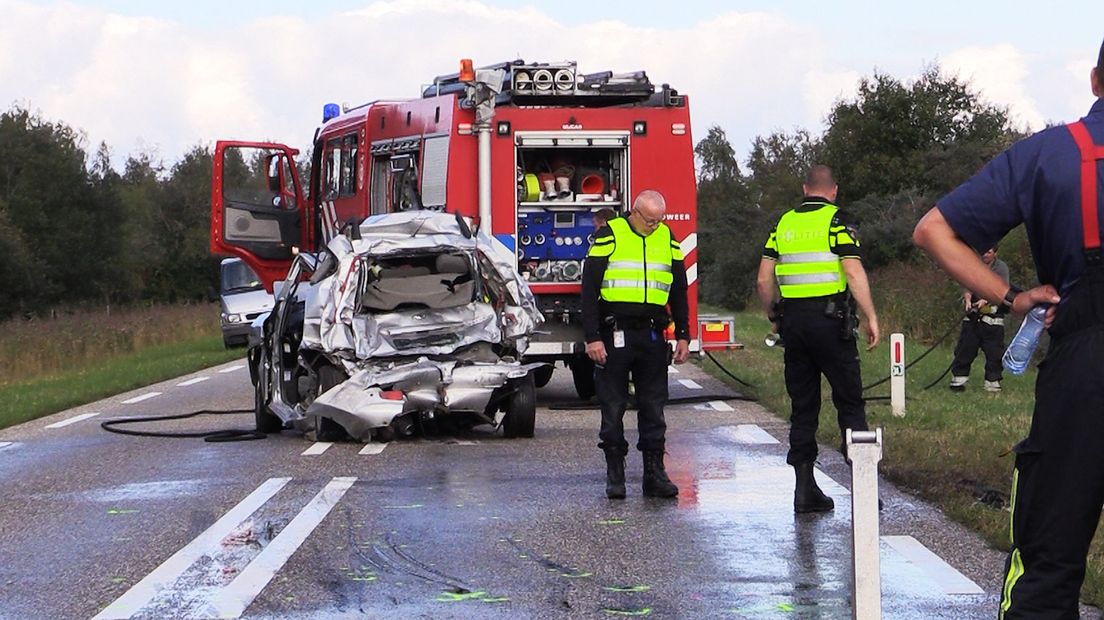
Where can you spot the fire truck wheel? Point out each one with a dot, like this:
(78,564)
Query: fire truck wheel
(521,409)
(267,422)
(326,429)
(582,371)
(543,375)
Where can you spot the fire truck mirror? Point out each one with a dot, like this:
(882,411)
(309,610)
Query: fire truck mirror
(272,163)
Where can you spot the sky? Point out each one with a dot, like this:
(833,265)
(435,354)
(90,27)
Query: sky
(161,77)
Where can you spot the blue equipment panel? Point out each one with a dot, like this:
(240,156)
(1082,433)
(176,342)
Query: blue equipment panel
(555,235)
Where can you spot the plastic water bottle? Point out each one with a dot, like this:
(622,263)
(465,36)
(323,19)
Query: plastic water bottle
(1020,350)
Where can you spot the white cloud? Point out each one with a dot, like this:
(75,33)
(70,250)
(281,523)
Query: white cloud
(1000,73)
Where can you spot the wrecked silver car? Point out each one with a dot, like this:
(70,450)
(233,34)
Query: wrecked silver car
(408,322)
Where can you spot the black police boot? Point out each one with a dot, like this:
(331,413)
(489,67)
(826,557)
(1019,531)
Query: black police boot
(807,495)
(656,482)
(615,475)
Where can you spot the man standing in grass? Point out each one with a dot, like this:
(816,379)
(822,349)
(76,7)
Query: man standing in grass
(1050,183)
(982,328)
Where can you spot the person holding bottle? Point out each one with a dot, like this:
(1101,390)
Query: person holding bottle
(1050,183)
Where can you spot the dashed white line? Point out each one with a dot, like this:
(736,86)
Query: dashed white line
(945,575)
(749,434)
(233,600)
(690,383)
(5,444)
(73,420)
(720,405)
(317,448)
(672,370)
(373,448)
(141,397)
(138,596)
(192,381)
(232,368)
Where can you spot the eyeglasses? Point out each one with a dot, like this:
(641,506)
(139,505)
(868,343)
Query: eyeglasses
(647,222)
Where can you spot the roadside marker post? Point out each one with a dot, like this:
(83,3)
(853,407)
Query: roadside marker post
(864,451)
(897,374)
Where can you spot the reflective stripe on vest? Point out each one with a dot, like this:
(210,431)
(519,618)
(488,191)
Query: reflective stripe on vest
(806,265)
(639,269)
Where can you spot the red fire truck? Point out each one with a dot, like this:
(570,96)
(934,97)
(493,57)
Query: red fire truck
(531,152)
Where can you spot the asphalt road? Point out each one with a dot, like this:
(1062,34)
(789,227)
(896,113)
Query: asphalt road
(94,524)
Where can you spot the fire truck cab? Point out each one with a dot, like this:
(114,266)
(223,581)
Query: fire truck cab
(530,152)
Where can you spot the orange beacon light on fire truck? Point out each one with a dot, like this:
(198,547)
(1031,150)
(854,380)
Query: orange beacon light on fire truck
(467,73)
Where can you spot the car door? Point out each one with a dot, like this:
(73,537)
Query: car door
(258,212)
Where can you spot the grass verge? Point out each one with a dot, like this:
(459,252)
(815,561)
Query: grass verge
(33,398)
(950,448)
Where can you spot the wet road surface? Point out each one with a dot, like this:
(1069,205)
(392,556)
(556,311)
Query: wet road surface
(100,525)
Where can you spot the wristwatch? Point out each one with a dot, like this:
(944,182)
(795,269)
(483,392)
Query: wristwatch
(1010,297)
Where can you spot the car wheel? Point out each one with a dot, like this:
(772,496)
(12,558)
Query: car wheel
(327,429)
(267,422)
(543,375)
(521,409)
(582,371)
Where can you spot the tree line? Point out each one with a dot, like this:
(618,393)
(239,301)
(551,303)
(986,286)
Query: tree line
(73,231)
(895,147)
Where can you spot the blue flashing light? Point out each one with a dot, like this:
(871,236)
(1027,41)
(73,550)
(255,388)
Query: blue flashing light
(330,110)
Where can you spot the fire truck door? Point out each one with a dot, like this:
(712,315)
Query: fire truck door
(257,206)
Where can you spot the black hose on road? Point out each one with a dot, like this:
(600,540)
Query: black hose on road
(112,425)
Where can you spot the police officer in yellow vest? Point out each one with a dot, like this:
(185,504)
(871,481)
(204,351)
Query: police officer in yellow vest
(632,273)
(812,259)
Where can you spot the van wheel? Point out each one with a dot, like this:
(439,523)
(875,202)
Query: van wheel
(521,409)
(267,422)
(543,375)
(582,372)
(325,428)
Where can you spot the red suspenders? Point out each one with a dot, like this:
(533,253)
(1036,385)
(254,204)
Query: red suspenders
(1090,154)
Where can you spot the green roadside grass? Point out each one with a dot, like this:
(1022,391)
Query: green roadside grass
(951,449)
(35,397)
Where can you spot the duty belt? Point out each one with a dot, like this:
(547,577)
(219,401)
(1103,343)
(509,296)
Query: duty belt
(992,320)
(634,322)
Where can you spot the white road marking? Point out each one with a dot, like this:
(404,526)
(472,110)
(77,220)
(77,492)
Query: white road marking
(748,434)
(140,398)
(233,600)
(207,543)
(73,420)
(192,381)
(317,448)
(690,383)
(952,581)
(372,448)
(232,368)
(720,405)
(5,444)
(672,370)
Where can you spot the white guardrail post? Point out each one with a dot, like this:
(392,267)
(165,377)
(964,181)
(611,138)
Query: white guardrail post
(897,374)
(864,450)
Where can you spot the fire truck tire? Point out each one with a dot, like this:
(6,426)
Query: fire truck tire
(543,375)
(582,371)
(267,422)
(326,429)
(521,409)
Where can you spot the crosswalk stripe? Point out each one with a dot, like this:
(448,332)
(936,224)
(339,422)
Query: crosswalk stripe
(317,448)
(952,581)
(373,448)
(141,397)
(138,596)
(233,600)
(72,420)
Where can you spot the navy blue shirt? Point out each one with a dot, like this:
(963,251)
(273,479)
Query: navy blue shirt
(1036,182)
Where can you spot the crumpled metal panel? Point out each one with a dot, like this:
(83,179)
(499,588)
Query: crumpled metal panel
(424,332)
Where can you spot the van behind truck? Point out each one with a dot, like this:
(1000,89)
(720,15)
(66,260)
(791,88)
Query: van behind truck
(242,298)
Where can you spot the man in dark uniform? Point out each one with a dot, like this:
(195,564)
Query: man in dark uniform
(633,272)
(982,328)
(812,259)
(1050,183)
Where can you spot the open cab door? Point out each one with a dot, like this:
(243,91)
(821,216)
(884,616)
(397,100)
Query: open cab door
(258,212)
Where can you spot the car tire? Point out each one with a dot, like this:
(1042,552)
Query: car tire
(521,409)
(582,372)
(327,429)
(267,422)
(543,375)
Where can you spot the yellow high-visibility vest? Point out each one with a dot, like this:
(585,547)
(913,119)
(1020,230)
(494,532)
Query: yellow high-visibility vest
(807,266)
(639,268)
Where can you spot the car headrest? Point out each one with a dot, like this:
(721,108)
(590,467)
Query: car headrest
(452,263)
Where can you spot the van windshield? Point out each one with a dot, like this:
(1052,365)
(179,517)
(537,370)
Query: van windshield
(238,277)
